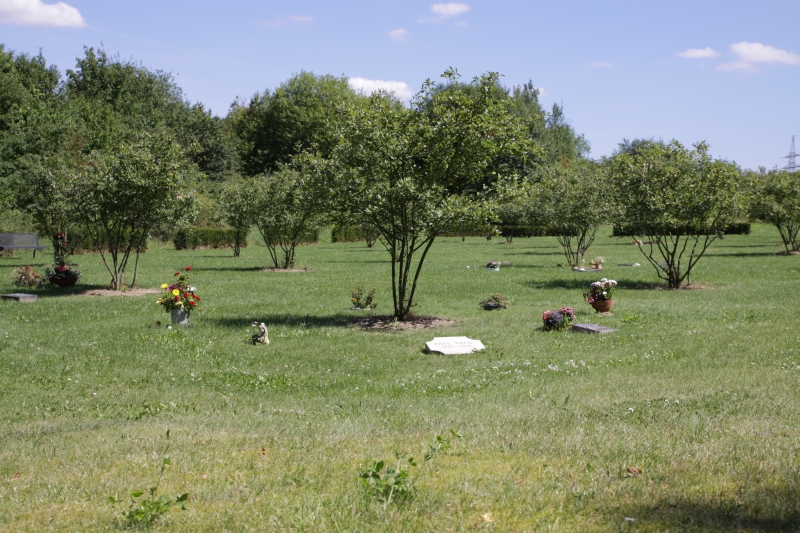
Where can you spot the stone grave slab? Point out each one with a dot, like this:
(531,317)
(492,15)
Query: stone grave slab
(20,297)
(454,345)
(591,328)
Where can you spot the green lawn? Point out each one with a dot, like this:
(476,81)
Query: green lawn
(698,389)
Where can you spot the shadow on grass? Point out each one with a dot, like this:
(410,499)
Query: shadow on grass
(236,268)
(583,284)
(777,510)
(282,319)
(743,254)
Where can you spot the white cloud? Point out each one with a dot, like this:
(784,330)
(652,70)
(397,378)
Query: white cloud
(286,20)
(542,91)
(399,35)
(698,53)
(37,13)
(752,53)
(601,64)
(446,11)
(399,88)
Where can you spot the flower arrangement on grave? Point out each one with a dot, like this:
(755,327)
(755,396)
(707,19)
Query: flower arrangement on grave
(493,265)
(495,301)
(600,291)
(361,302)
(25,276)
(597,263)
(179,295)
(560,319)
(60,269)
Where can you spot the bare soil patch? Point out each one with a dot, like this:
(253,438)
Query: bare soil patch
(387,322)
(130,292)
(286,270)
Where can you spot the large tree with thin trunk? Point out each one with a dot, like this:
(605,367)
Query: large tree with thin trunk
(119,196)
(679,199)
(775,199)
(577,199)
(414,172)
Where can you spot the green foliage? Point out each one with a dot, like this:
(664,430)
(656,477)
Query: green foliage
(144,512)
(288,209)
(389,483)
(775,199)
(302,115)
(572,199)
(120,196)
(394,483)
(360,301)
(662,187)
(734,228)
(415,172)
(192,237)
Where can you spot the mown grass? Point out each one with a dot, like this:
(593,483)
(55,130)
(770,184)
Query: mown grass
(697,389)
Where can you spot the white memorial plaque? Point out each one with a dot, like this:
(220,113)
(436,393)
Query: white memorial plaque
(454,345)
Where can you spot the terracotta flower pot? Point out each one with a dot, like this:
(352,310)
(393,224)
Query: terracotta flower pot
(602,306)
(63,282)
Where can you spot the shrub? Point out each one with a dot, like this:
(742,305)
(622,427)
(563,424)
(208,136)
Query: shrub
(193,237)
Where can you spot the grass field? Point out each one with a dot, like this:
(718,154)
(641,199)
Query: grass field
(685,419)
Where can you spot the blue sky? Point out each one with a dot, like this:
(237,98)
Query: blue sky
(726,72)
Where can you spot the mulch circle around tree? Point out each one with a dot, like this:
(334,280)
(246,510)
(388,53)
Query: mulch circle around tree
(109,292)
(387,322)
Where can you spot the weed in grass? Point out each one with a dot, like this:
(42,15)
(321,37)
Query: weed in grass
(144,512)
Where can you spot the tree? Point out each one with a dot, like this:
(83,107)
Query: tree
(775,199)
(235,203)
(578,199)
(680,199)
(413,172)
(287,209)
(119,195)
(302,115)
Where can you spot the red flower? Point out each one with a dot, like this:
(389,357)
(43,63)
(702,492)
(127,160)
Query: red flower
(188,268)
(177,273)
(196,297)
(191,303)
(177,299)
(185,294)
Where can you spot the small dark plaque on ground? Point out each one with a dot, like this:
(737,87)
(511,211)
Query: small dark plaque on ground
(591,328)
(20,297)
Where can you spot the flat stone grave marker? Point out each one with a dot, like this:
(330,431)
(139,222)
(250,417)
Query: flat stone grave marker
(591,328)
(20,297)
(629,264)
(454,345)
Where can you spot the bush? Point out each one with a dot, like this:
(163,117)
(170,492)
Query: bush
(736,228)
(193,237)
(348,234)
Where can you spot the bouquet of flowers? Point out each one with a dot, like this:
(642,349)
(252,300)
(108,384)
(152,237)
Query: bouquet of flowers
(25,276)
(179,295)
(60,269)
(597,263)
(560,319)
(600,291)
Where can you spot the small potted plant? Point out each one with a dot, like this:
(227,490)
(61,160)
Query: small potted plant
(495,301)
(601,295)
(597,263)
(559,319)
(361,302)
(60,272)
(179,299)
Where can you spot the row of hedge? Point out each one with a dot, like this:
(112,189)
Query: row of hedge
(348,234)
(194,237)
(737,228)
